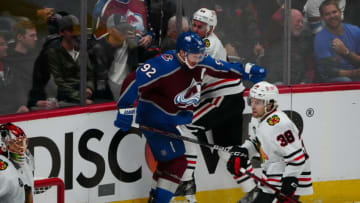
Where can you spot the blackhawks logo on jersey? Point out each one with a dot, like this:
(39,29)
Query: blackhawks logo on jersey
(273,120)
(263,156)
(207,42)
(3,165)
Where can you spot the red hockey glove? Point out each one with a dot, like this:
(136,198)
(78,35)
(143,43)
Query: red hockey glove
(288,188)
(238,159)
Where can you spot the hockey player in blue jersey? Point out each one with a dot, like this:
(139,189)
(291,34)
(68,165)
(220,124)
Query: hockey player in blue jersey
(168,88)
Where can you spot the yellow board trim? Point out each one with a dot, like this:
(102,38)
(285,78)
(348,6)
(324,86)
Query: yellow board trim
(341,191)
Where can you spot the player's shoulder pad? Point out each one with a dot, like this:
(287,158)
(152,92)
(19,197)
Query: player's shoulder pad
(164,61)
(157,66)
(210,62)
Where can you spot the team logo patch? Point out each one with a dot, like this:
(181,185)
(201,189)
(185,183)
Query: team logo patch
(207,42)
(273,120)
(189,96)
(3,165)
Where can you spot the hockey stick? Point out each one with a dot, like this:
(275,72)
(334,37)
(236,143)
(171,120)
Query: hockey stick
(188,139)
(264,182)
(131,111)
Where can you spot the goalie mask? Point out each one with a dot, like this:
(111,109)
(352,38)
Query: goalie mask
(14,142)
(264,91)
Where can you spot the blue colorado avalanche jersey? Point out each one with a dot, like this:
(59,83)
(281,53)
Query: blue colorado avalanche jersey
(168,91)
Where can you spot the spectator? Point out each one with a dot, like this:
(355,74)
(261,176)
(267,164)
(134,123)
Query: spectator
(135,12)
(352,14)
(21,60)
(32,11)
(43,91)
(63,64)
(169,42)
(337,46)
(160,12)
(10,86)
(113,57)
(312,14)
(238,29)
(4,68)
(5,28)
(301,50)
(22,57)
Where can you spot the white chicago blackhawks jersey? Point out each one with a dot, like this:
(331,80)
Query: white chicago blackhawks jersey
(276,139)
(215,87)
(16,183)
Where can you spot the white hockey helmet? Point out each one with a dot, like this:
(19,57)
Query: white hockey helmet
(265,91)
(206,16)
(13,141)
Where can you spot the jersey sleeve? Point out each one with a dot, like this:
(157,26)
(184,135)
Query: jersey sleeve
(251,144)
(10,183)
(129,91)
(290,148)
(222,69)
(142,78)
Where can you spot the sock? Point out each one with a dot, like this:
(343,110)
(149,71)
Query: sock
(162,196)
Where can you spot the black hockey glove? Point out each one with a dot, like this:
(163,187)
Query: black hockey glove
(288,188)
(238,159)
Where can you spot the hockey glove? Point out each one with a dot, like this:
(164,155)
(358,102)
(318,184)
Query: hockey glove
(254,73)
(123,121)
(288,188)
(238,159)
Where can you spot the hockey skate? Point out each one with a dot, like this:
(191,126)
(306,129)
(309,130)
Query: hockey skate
(188,190)
(250,196)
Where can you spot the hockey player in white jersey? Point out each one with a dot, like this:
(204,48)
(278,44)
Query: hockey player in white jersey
(275,137)
(16,166)
(215,113)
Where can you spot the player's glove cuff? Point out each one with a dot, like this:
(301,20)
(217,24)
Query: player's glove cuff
(123,121)
(288,188)
(254,73)
(238,159)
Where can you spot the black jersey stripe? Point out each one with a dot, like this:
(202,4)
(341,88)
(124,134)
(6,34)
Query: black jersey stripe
(242,180)
(306,173)
(296,164)
(222,87)
(191,156)
(292,154)
(272,175)
(306,185)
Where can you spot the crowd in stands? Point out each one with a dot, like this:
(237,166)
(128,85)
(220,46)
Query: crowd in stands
(39,44)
